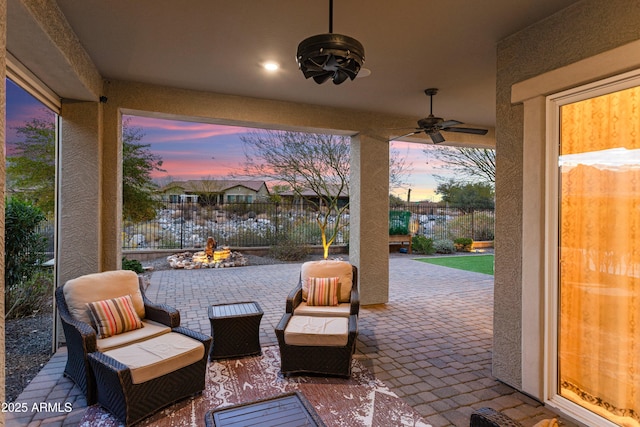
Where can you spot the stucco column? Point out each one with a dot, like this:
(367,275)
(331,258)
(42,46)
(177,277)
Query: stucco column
(369,216)
(111,184)
(79,195)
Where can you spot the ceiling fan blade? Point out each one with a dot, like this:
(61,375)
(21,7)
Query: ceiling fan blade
(339,76)
(408,134)
(449,123)
(436,137)
(466,130)
(321,78)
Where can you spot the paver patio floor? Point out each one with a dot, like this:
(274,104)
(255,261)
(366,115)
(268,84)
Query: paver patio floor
(431,343)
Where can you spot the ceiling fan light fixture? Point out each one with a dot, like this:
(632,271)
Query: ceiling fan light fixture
(330,56)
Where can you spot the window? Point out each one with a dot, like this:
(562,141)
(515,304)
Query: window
(32,134)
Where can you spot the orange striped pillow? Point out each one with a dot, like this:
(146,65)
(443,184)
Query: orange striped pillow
(114,316)
(323,291)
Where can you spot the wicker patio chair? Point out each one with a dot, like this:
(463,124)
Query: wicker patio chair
(488,417)
(93,370)
(325,353)
(349,298)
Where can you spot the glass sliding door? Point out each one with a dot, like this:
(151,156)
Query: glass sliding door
(598,301)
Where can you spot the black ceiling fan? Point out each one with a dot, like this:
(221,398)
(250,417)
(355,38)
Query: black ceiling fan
(432,125)
(331,56)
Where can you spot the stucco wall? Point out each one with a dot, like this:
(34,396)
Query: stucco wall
(79,205)
(578,32)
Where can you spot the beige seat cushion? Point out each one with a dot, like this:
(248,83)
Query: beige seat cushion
(328,268)
(158,356)
(82,290)
(150,329)
(340,310)
(317,331)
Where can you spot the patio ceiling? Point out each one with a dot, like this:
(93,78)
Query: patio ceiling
(219,46)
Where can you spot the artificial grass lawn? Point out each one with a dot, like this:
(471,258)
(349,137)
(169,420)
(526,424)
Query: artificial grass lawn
(478,263)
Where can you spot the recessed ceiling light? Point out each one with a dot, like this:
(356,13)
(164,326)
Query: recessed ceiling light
(271,66)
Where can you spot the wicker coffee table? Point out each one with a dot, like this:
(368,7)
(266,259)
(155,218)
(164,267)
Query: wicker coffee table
(235,329)
(291,410)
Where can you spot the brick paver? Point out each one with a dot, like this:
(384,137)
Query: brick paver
(431,343)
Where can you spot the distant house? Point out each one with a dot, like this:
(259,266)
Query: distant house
(311,196)
(215,192)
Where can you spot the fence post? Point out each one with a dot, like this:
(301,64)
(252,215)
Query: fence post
(182,220)
(473,224)
(277,239)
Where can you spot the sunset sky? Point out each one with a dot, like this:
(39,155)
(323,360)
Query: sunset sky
(197,150)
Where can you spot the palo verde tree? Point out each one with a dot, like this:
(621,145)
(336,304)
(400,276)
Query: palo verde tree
(467,196)
(308,162)
(138,163)
(31,169)
(469,164)
(208,191)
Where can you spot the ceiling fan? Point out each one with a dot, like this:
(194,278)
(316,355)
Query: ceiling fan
(330,56)
(432,125)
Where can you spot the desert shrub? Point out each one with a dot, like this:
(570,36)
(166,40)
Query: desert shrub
(260,208)
(305,232)
(151,231)
(247,237)
(422,245)
(463,244)
(287,249)
(167,241)
(477,226)
(187,213)
(484,229)
(208,213)
(132,264)
(444,246)
(24,256)
(237,209)
(29,296)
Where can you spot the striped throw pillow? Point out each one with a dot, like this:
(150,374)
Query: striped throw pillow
(114,316)
(323,291)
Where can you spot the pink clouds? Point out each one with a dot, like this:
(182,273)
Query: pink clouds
(191,150)
(424,166)
(195,169)
(21,109)
(173,130)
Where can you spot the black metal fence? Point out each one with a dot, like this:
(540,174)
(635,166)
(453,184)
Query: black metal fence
(46,229)
(188,225)
(444,222)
